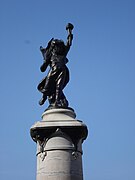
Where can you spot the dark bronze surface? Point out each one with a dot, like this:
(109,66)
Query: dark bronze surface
(57,78)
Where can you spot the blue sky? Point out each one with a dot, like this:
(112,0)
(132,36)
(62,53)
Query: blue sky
(101,88)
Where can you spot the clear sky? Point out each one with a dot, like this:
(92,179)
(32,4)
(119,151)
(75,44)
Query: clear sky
(101,88)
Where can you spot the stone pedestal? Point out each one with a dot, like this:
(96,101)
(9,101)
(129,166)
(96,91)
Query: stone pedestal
(59,138)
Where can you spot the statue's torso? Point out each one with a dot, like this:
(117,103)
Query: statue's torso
(58,57)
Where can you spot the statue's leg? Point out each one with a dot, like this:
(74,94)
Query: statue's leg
(42,100)
(47,90)
(59,88)
(51,99)
(63,100)
(49,86)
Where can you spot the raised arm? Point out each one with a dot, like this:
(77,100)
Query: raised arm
(69,29)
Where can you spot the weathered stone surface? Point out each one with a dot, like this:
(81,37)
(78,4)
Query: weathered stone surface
(59,138)
(59,159)
(57,118)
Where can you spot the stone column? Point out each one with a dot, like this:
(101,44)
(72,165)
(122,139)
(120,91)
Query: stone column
(59,138)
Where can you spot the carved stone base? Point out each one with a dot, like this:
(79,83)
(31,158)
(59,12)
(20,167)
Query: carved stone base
(59,138)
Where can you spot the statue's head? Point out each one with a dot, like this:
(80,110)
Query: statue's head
(57,42)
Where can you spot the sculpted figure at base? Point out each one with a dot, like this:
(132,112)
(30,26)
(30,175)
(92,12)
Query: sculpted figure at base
(57,78)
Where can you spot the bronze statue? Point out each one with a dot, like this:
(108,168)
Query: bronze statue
(58,76)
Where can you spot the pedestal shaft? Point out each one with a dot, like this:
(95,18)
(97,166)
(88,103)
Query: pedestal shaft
(58,159)
(59,137)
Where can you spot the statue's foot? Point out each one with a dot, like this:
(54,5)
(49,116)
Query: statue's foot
(64,103)
(61,104)
(42,100)
(57,104)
